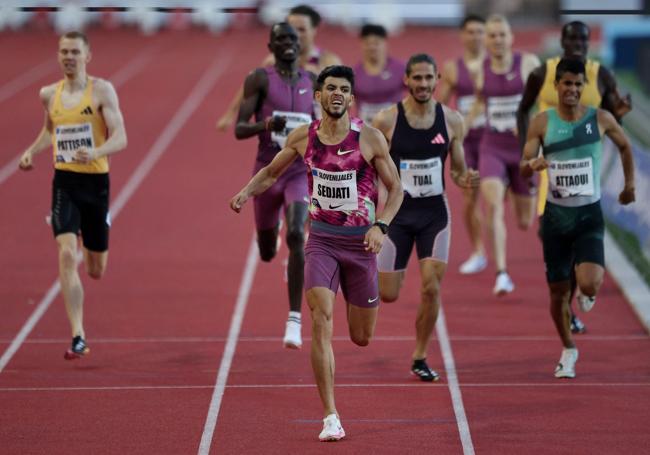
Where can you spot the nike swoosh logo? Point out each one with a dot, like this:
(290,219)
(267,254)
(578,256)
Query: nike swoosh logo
(335,206)
(344,152)
(302,91)
(426,193)
(372,300)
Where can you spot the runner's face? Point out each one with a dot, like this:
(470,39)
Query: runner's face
(498,39)
(73,55)
(335,97)
(306,33)
(373,48)
(284,44)
(575,42)
(473,37)
(421,82)
(569,89)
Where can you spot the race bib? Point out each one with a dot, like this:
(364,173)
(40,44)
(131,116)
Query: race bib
(421,178)
(294,120)
(571,178)
(335,190)
(367,111)
(502,112)
(465,105)
(70,138)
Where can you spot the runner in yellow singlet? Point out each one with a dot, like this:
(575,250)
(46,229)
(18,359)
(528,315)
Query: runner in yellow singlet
(84,125)
(599,91)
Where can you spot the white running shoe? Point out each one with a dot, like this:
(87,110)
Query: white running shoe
(475,263)
(584,302)
(332,429)
(503,285)
(566,367)
(292,338)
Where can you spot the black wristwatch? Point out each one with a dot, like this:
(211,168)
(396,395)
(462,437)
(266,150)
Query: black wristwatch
(382,226)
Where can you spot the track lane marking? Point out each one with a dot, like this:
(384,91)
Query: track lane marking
(453,384)
(229,349)
(420,384)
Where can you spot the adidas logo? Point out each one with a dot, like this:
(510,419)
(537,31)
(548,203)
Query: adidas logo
(438,139)
(87,111)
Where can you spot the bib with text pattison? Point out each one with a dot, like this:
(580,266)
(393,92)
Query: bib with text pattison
(421,178)
(70,138)
(335,190)
(571,178)
(502,112)
(294,120)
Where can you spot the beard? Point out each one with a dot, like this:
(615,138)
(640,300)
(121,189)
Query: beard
(336,115)
(418,100)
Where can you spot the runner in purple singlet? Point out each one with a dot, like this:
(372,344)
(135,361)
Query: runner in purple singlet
(458,79)
(500,82)
(305,21)
(280,97)
(345,160)
(379,83)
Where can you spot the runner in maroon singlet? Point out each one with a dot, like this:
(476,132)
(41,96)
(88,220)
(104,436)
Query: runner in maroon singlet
(345,159)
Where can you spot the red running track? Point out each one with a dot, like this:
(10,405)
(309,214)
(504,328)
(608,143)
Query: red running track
(159,322)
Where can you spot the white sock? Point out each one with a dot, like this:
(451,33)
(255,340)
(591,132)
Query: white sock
(294,316)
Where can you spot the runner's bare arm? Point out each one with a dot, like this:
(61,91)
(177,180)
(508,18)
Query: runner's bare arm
(463,177)
(228,117)
(531,162)
(533,86)
(268,175)
(612,100)
(375,150)
(384,121)
(447,84)
(110,108)
(44,138)
(255,87)
(610,127)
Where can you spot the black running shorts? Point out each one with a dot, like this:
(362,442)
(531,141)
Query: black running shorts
(571,236)
(80,206)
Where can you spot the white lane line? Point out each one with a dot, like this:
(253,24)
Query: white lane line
(417,385)
(24,80)
(229,349)
(630,282)
(454,387)
(119,78)
(192,102)
(408,338)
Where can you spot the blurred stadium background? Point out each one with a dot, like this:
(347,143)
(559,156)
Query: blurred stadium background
(621,39)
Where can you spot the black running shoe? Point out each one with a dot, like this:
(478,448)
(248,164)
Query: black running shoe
(577,326)
(78,349)
(422,371)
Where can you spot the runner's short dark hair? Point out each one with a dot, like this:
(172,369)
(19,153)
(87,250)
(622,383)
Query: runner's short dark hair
(569,65)
(306,10)
(420,58)
(341,71)
(373,29)
(572,24)
(471,18)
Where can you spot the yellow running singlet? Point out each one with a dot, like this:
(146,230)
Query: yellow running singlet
(79,126)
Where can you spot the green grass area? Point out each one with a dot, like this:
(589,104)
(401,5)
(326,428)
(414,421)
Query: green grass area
(629,245)
(630,79)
